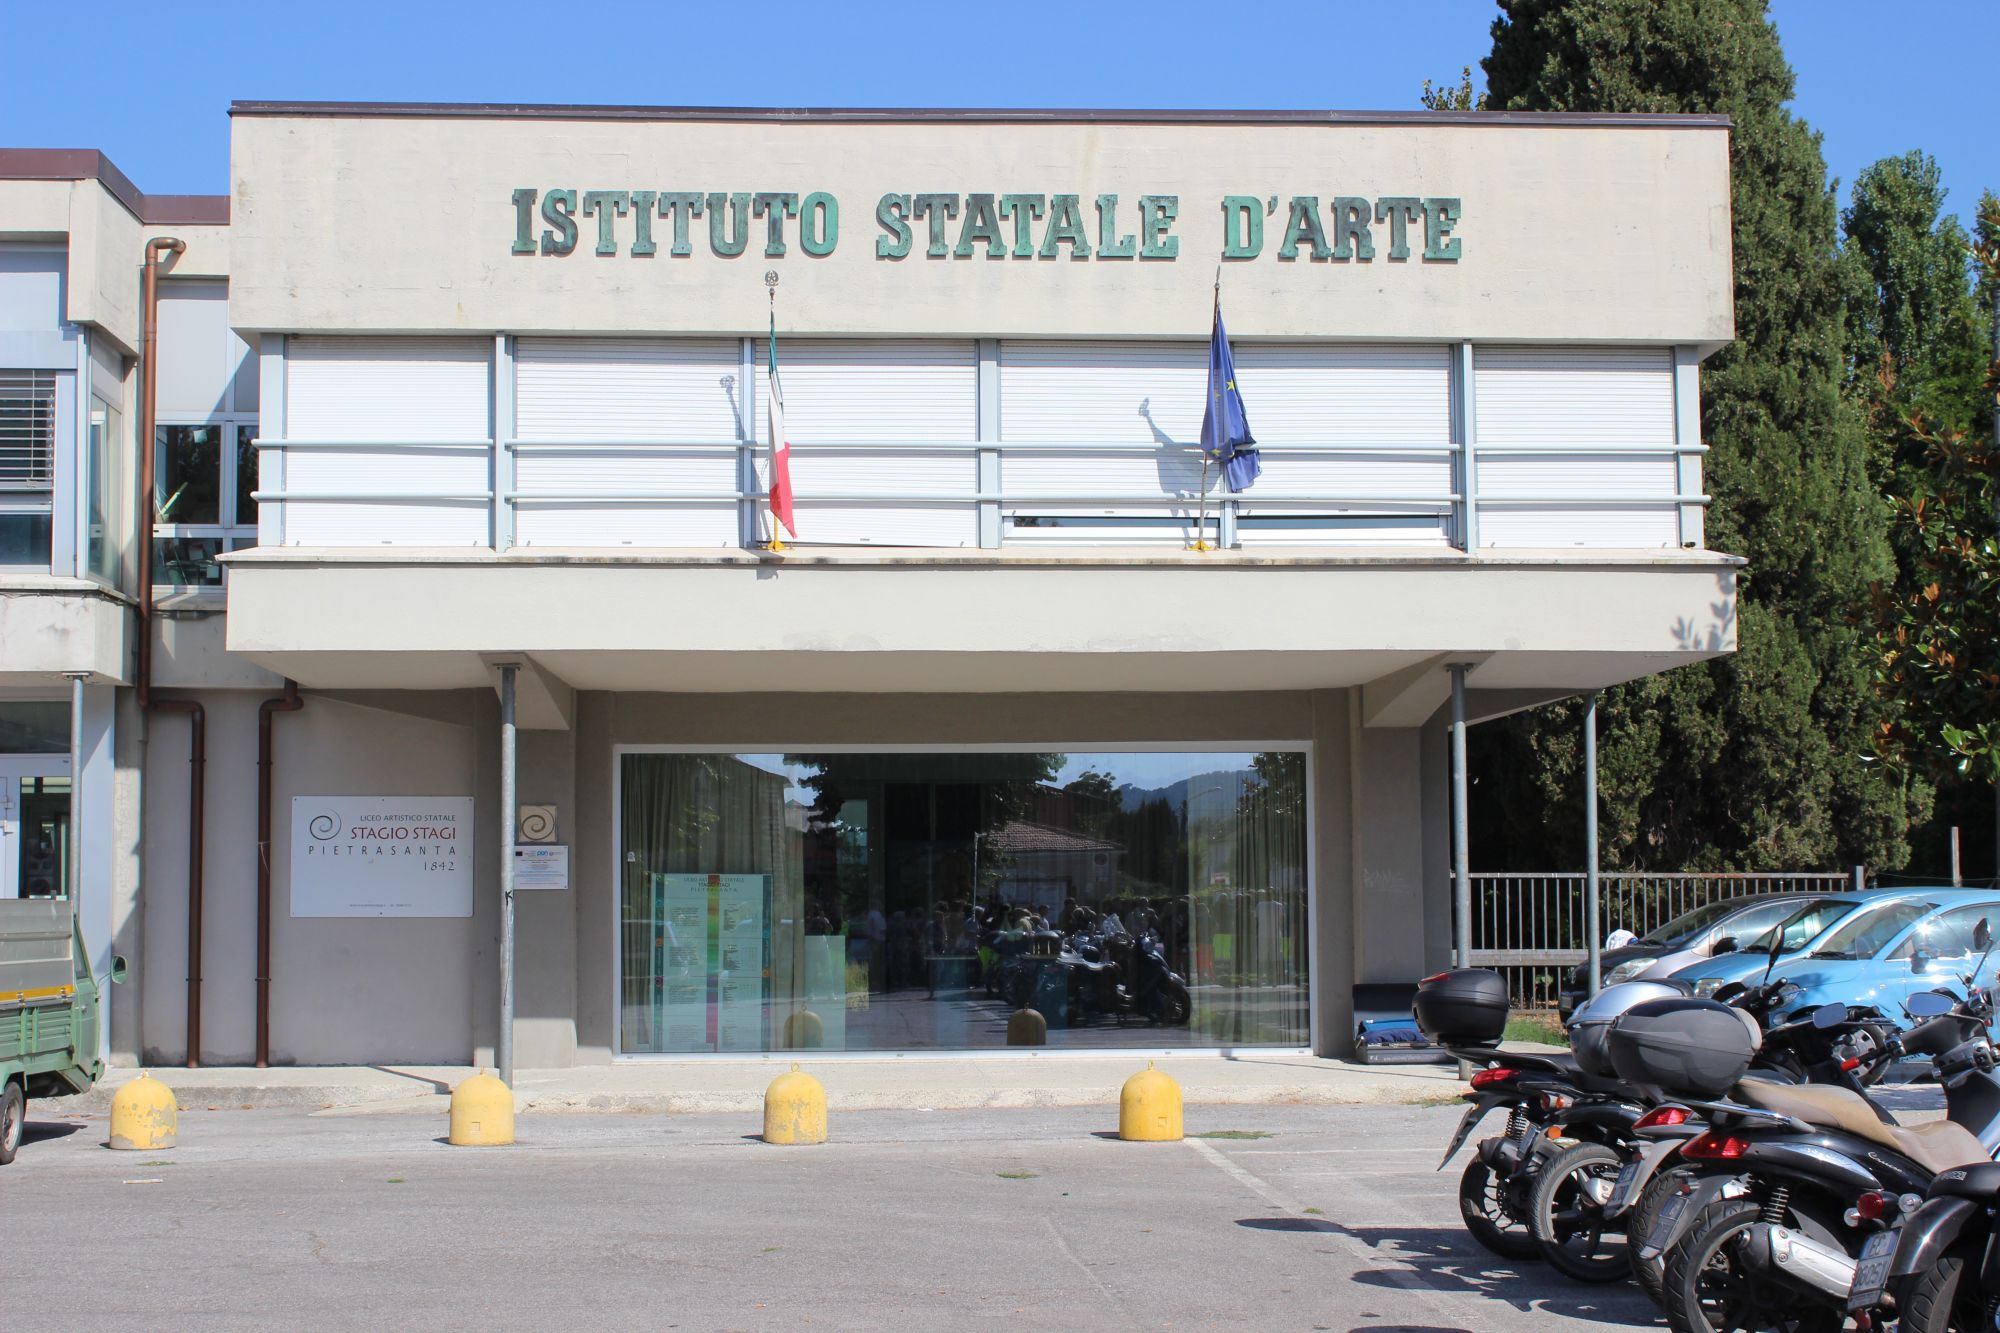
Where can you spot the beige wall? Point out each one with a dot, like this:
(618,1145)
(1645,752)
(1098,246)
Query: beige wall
(52,626)
(427,990)
(1595,233)
(343,991)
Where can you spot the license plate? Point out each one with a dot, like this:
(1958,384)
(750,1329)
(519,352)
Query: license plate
(1871,1271)
(1663,1227)
(1473,1115)
(1621,1192)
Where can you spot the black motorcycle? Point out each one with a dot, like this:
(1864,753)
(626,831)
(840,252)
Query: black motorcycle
(1945,1271)
(1802,1185)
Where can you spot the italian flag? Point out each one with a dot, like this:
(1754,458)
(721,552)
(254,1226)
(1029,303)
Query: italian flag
(781,448)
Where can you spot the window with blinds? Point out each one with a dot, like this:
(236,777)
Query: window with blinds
(27,430)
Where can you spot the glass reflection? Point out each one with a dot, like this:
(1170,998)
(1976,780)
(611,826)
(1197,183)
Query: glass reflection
(904,901)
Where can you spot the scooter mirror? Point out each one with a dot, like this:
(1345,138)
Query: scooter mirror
(1829,1015)
(1929,1004)
(1982,936)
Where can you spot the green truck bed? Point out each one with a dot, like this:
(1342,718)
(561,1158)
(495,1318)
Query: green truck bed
(48,1010)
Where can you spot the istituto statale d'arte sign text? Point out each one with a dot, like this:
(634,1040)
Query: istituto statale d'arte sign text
(643,224)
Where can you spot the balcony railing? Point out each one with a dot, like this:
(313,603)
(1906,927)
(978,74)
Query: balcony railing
(968,493)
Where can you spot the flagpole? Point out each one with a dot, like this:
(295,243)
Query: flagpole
(771,287)
(1201,542)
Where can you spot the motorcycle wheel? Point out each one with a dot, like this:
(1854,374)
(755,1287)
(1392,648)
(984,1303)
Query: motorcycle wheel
(1482,1202)
(1943,1300)
(1709,1291)
(1176,1007)
(1569,1224)
(1651,1274)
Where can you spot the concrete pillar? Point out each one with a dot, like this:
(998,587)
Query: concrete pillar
(1333,959)
(1388,875)
(594,876)
(545,961)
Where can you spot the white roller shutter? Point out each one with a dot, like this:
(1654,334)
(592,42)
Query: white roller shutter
(1297,395)
(199,357)
(574,391)
(1576,446)
(858,413)
(393,390)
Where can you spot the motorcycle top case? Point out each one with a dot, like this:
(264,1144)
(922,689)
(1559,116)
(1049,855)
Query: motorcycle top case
(1689,1048)
(1467,1007)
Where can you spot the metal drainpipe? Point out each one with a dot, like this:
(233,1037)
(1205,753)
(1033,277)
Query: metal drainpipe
(197,715)
(288,702)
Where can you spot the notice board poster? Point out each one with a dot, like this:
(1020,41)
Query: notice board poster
(739,973)
(710,949)
(400,856)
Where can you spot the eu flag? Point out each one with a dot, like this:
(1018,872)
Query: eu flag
(1225,430)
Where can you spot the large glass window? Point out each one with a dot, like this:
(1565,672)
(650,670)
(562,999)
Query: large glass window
(204,473)
(916,901)
(110,536)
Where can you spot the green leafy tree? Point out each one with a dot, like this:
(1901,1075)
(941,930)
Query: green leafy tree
(1453,96)
(1940,626)
(1764,759)
(1911,304)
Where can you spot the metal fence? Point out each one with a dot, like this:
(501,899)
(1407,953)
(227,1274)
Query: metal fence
(1532,929)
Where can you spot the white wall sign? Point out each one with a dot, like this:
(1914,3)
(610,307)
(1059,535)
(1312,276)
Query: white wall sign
(382,855)
(545,866)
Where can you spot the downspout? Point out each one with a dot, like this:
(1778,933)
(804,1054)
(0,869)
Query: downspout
(288,702)
(197,715)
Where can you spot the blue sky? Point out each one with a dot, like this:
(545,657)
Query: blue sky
(85,77)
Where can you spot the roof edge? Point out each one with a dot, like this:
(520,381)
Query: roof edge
(969,115)
(82,164)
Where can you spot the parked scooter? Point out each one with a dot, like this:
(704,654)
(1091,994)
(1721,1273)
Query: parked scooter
(1945,1271)
(1802,1184)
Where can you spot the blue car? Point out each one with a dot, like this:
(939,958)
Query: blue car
(1883,957)
(1802,932)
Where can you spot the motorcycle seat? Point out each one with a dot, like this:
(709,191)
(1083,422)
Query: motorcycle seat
(1969,1182)
(1937,1146)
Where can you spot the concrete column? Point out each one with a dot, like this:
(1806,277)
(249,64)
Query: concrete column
(545,926)
(1332,967)
(1388,875)
(594,878)
(483,930)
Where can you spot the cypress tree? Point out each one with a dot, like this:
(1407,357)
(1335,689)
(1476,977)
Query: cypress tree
(1764,759)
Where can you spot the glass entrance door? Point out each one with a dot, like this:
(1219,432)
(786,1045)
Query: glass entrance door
(35,847)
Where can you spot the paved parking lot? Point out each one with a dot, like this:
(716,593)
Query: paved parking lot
(1336,1220)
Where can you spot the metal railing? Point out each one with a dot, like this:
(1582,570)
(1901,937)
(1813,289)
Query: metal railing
(1531,927)
(986,492)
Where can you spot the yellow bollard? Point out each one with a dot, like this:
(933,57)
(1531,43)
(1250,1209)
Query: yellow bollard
(482,1112)
(1149,1108)
(795,1109)
(805,1031)
(1027,1027)
(144,1115)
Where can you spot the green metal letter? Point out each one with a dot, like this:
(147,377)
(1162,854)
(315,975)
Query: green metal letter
(1023,209)
(642,224)
(775,206)
(981,223)
(524,220)
(1107,228)
(937,207)
(1242,226)
(609,206)
(557,208)
(819,237)
(1399,211)
(1440,216)
(1303,223)
(890,210)
(732,242)
(680,206)
(1351,215)
(1156,218)
(1065,227)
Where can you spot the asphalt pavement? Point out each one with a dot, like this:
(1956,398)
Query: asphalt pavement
(1281,1217)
